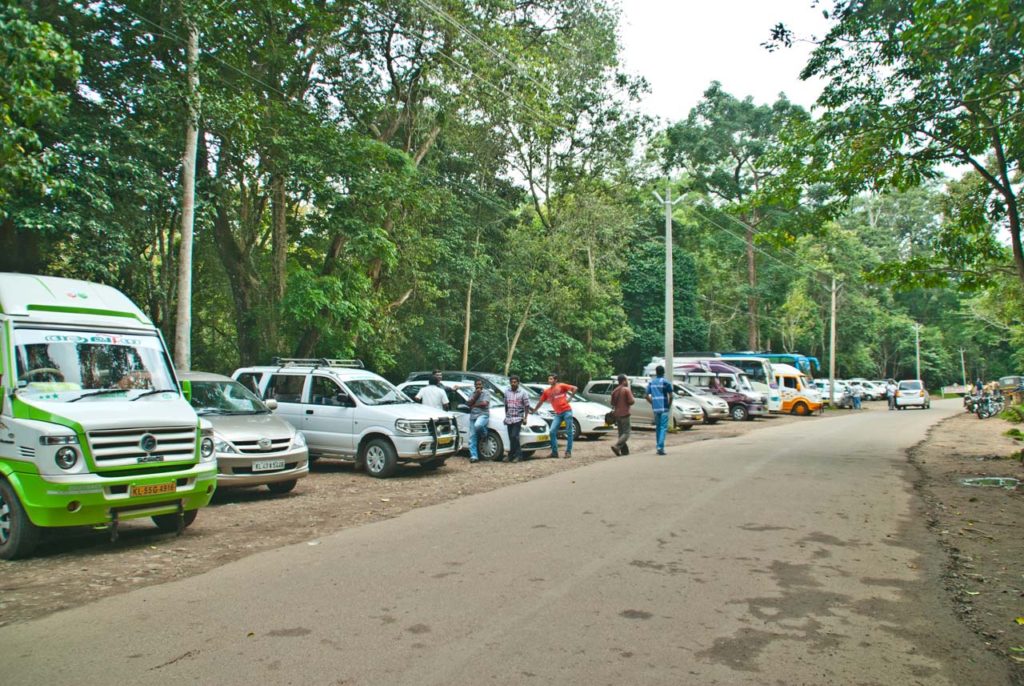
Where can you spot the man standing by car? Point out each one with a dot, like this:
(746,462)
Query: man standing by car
(479,415)
(517,407)
(659,395)
(890,393)
(622,399)
(433,395)
(558,395)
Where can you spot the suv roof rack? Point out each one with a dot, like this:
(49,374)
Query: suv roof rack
(317,362)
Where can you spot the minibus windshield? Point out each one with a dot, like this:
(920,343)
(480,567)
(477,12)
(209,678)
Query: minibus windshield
(66,366)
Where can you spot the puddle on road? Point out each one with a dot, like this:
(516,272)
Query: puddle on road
(992,481)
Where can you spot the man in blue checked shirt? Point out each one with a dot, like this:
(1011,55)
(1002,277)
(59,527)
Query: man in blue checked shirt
(659,395)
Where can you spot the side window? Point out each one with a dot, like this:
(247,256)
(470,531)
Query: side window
(412,389)
(324,391)
(455,401)
(601,389)
(789,381)
(285,388)
(250,380)
(639,391)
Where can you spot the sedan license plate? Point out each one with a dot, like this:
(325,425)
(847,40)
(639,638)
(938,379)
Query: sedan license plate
(267,465)
(543,437)
(444,440)
(154,489)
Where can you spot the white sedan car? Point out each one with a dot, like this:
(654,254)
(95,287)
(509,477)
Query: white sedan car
(495,445)
(587,415)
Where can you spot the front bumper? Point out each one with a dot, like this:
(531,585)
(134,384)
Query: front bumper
(426,447)
(235,470)
(90,500)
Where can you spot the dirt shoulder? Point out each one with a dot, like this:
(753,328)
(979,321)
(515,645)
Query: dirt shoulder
(72,568)
(978,526)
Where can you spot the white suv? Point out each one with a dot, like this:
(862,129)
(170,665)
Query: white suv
(349,413)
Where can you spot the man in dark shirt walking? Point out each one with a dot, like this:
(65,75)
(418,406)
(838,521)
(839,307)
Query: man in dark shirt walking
(622,400)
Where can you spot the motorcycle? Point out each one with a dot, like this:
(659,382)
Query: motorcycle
(989,406)
(971,401)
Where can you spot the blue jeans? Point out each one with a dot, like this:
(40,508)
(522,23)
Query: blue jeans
(660,429)
(557,422)
(477,428)
(856,402)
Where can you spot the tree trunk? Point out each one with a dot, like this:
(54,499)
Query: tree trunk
(244,289)
(183,321)
(518,333)
(753,334)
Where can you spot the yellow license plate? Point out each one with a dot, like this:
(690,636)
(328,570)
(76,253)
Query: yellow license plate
(543,437)
(154,489)
(444,440)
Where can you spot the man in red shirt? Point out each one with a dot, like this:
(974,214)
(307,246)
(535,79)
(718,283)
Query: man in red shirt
(558,395)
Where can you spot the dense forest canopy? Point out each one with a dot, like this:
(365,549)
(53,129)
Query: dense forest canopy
(443,183)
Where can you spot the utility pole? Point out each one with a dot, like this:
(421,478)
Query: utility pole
(917,349)
(832,347)
(183,323)
(670,308)
(963,368)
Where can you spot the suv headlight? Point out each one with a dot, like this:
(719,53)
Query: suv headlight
(412,427)
(299,440)
(66,457)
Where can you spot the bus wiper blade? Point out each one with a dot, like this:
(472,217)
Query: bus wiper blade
(99,391)
(154,392)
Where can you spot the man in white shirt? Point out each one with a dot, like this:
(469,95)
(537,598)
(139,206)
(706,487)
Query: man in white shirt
(433,395)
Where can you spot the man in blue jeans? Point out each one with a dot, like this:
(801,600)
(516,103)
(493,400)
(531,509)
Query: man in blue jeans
(479,416)
(659,395)
(558,395)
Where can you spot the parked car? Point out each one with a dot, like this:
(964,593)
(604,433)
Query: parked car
(253,446)
(685,412)
(349,413)
(587,415)
(912,393)
(729,377)
(869,391)
(741,407)
(712,407)
(534,436)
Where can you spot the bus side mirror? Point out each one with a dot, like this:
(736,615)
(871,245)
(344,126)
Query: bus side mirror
(186,389)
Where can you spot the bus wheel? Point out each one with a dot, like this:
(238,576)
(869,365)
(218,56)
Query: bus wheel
(801,409)
(18,535)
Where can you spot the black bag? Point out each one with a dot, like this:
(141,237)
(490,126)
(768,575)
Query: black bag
(609,417)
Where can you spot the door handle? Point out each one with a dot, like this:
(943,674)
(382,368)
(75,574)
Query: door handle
(309,411)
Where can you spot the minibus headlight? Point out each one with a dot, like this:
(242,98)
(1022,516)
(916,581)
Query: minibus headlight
(71,439)
(206,449)
(66,457)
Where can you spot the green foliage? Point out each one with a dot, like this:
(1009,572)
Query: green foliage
(39,67)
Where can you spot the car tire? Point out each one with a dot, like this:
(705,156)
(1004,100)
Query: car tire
(282,486)
(491,447)
(18,535)
(169,522)
(708,420)
(739,413)
(431,465)
(686,427)
(577,431)
(528,453)
(379,458)
(801,409)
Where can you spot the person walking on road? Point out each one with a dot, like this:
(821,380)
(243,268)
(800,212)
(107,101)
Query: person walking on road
(479,415)
(558,395)
(856,391)
(433,394)
(622,400)
(659,395)
(517,407)
(890,393)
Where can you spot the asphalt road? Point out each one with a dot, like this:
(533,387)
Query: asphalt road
(790,555)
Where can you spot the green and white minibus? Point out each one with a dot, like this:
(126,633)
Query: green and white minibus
(94,428)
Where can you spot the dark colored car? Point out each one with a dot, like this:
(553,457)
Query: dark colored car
(741,407)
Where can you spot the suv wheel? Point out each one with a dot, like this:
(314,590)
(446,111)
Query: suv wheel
(380,458)
(490,447)
(739,413)
(282,486)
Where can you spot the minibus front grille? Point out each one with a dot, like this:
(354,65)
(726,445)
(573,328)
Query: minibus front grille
(168,443)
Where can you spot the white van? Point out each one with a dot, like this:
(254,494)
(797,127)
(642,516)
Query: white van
(94,428)
(800,395)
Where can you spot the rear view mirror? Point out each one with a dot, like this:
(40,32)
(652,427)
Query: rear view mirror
(270,403)
(186,389)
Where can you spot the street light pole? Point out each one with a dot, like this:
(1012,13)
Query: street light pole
(917,349)
(669,289)
(963,368)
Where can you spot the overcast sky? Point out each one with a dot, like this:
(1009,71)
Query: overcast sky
(681,46)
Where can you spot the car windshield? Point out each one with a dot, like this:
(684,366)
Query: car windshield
(225,397)
(376,392)
(743,383)
(693,390)
(65,366)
